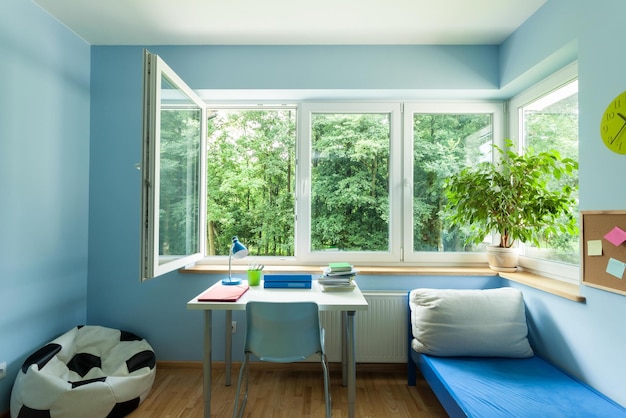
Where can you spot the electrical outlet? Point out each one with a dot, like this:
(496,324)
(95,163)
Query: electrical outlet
(233,327)
(3,369)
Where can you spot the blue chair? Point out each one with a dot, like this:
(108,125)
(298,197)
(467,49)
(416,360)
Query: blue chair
(283,332)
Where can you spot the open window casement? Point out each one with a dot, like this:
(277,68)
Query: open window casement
(173,167)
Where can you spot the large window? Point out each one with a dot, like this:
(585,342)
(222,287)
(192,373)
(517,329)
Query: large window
(350,176)
(546,117)
(321,182)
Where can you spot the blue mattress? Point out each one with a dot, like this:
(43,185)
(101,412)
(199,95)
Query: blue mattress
(503,387)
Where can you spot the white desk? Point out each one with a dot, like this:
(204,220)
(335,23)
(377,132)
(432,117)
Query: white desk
(346,302)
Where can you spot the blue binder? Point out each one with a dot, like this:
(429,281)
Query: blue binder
(287,281)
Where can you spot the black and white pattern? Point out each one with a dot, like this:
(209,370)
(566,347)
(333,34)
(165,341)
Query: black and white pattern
(90,371)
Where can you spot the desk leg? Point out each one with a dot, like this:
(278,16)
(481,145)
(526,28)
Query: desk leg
(344,350)
(206,366)
(228,346)
(351,360)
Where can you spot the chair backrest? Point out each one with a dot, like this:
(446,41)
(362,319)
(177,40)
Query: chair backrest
(283,332)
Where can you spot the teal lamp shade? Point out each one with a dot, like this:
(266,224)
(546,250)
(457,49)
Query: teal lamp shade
(237,250)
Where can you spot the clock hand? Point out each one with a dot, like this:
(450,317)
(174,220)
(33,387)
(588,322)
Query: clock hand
(621,116)
(618,132)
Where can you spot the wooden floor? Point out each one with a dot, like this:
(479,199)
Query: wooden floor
(289,391)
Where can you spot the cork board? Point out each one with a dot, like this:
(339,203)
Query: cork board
(603,249)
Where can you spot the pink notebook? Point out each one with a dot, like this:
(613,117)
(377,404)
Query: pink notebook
(221,293)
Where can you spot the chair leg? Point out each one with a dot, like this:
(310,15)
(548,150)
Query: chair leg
(240,408)
(327,396)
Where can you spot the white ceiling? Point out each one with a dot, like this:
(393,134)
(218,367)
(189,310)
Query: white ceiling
(291,22)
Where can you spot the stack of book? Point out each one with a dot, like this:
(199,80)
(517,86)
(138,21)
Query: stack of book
(338,277)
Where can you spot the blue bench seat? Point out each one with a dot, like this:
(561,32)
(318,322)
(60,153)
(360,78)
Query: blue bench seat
(509,387)
(472,348)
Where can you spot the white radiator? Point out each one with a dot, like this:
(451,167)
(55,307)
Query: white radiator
(380,332)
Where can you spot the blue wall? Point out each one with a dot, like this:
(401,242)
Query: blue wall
(334,67)
(44,169)
(589,339)
(87,139)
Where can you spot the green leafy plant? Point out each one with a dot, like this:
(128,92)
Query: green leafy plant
(517,197)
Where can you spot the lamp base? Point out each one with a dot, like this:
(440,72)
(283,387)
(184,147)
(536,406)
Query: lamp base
(229,281)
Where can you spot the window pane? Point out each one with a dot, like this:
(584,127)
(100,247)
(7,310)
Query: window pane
(443,144)
(171,202)
(350,206)
(551,122)
(179,192)
(251,180)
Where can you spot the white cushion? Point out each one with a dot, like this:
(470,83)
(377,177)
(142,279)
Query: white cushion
(479,323)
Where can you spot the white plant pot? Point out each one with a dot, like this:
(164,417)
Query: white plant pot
(502,259)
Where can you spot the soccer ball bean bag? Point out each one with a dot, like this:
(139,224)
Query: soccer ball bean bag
(90,371)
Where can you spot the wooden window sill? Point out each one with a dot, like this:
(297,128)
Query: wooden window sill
(556,287)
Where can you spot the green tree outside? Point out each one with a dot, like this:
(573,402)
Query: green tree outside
(250,179)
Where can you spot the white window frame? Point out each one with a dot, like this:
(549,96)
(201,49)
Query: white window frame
(153,264)
(303,251)
(553,269)
(496,109)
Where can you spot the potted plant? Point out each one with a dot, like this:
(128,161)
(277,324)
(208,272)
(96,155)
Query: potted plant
(515,197)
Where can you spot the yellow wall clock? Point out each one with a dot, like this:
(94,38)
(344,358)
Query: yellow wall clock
(613,125)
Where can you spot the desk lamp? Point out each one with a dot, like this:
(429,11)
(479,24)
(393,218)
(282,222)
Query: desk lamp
(237,250)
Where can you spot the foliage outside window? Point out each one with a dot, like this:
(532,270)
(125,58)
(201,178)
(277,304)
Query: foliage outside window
(180,186)
(251,180)
(348,199)
(348,177)
(350,182)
